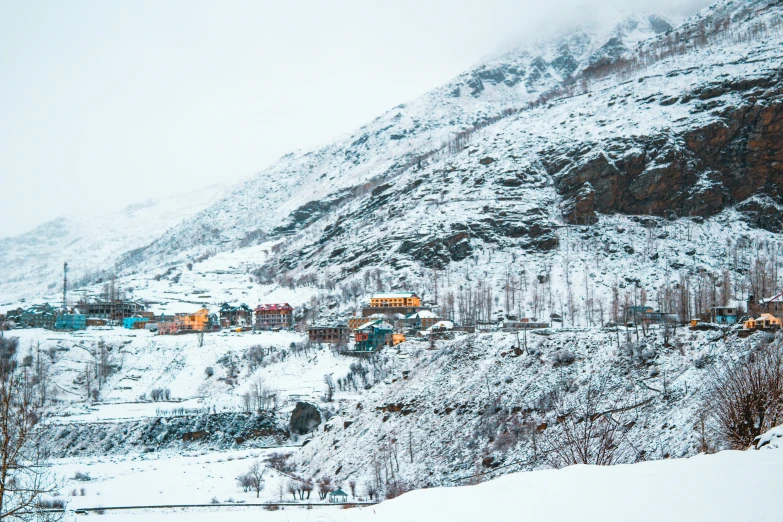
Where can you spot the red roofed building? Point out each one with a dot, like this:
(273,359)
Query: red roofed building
(274,316)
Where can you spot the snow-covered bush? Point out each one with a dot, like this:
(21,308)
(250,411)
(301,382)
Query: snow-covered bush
(82,477)
(563,357)
(639,354)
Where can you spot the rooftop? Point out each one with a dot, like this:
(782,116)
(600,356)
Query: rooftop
(393,295)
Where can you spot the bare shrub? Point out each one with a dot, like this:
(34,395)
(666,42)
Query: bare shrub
(563,358)
(703,361)
(280,462)
(209,371)
(397,488)
(371,490)
(307,487)
(293,488)
(245,482)
(638,353)
(587,431)
(746,399)
(50,503)
(255,356)
(329,382)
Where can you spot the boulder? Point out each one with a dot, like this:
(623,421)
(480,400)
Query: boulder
(304,419)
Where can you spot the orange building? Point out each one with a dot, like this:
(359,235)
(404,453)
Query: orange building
(394,299)
(198,322)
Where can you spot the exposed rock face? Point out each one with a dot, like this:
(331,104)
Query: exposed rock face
(217,431)
(737,156)
(304,419)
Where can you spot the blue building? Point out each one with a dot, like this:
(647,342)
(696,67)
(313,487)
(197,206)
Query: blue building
(725,314)
(70,322)
(371,336)
(134,322)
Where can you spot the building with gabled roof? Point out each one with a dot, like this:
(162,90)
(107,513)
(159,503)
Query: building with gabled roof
(268,316)
(390,303)
(372,335)
(240,315)
(772,305)
(420,320)
(39,316)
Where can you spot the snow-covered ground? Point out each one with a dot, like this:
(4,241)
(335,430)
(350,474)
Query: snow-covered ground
(727,486)
(145,361)
(191,478)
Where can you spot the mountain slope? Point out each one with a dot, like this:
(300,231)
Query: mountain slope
(302,187)
(697,133)
(32,263)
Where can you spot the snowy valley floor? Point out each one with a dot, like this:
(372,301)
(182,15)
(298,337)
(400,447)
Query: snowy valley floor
(728,486)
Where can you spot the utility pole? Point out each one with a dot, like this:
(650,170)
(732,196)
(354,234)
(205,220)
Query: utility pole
(65,286)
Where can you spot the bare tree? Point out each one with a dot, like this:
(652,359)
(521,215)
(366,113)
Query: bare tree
(24,470)
(329,387)
(746,399)
(352,486)
(292,488)
(307,487)
(370,489)
(588,433)
(324,487)
(256,475)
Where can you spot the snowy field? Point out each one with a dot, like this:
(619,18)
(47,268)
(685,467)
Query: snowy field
(729,486)
(190,478)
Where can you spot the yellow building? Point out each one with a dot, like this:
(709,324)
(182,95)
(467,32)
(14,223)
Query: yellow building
(393,299)
(197,322)
(396,339)
(768,321)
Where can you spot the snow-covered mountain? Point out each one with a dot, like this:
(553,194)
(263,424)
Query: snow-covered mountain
(646,119)
(304,186)
(32,263)
(571,177)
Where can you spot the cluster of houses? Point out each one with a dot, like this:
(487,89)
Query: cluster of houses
(387,321)
(389,318)
(764,314)
(132,315)
(96,312)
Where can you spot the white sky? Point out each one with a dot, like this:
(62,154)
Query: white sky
(107,103)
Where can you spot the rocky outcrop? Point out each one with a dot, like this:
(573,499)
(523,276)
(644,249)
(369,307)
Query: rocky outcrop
(214,431)
(304,419)
(736,156)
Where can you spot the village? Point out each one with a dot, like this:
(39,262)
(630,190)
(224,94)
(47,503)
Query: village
(389,319)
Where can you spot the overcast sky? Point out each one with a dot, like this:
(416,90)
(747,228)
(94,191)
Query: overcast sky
(103,104)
